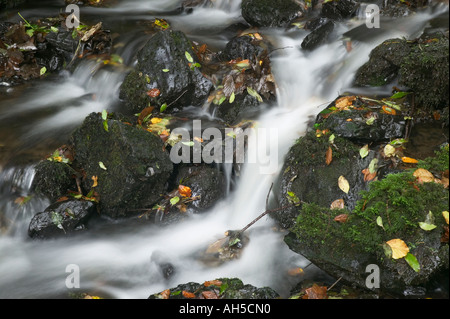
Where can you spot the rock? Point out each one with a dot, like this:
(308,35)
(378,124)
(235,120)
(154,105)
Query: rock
(318,37)
(131,166)
(243,47)
(409,63)
(270,13)
(222,288)
(162,64)
(61,219)
(339,9)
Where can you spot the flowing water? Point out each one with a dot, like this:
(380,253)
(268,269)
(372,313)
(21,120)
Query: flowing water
(118,262)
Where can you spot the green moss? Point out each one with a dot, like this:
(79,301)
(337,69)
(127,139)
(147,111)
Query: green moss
(439,163)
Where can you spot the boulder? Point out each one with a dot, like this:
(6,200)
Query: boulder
(318,37)
(270,13)
(163,66)
(130,164)
(61,219)
(339,9)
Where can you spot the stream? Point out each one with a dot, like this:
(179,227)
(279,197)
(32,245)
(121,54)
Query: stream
(118,261)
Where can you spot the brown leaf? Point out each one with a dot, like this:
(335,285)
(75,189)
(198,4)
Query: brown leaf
(209,295)
(153,92)
(342,218)
(144,113)
(329,155)
(216,282)
(165,294)
(444,238)
(368,176)
(343,103)
(187,294)
(423,175)
(337,204)
(316,292)
(95,179)
(184,191)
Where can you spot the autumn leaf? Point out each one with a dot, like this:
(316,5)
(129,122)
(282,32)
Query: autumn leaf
(184,191)
(343,184)
(445,214)
(316,292)
(165,294)
(399,248)
(216,283)
(145,113)
(423,175)
(95,179)
(295,271)
(388,110)
(187,294)
(364,151)
(368,176)
(389,150)
(156,120)
(209,294)
(343,103)
(153,92)
(409,160)
(337,204)
(342,218)
(329,156)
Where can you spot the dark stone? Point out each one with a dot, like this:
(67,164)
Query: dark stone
(61,219)
(270,13)
(242,47)
(339,9)
(318,37)
(137,167)
(182,85)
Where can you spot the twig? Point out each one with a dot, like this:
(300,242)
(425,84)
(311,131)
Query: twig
(268,195)
(334,284)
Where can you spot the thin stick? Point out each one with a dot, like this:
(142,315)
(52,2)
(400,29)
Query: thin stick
(329,288)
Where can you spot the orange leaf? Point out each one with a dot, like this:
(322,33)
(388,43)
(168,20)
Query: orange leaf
(344,102)
(316,292)
(337,204)
(216,282)
(155,120)
(329,155)
(295,271)
(423,175)
(184,191)
(342,218)
(165,294)
(409,160)
(388,110)
(94,178)
(187,294)
(368,176)
(153,92)
(209,295)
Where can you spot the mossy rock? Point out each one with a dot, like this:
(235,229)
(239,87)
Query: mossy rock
(270,13)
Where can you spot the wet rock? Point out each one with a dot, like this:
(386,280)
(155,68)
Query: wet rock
(319,36)
(244,47)
(409,63)
(339,9)
(270,13)
(162,64)
(221,288)
(61,219)
(131,166)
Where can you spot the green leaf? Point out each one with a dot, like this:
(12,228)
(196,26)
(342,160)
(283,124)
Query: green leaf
(364,151)
(165,70)
(413,262)
(54,29)
(293,198)
(188,56)
(380,222)
(190,143)
(426,226)
(232,97)
(399,95)
(370,121)
(104,115)
(331,139)
(174,200)
(163,107)
(102,166)
(222,99)
(57,219)
(373,166)
(255,94)
(105,125)
(43,70)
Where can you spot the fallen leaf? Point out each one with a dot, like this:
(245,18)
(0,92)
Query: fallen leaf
(165,294)
(209,294)
(184,191)
(380,222)
(343,103)
(389,150)
(412,262)
(388,110)
(174,200)
(426,226)
(95,179)
(343,184)
(409,160)
(295,271)
(368,176)
(215,282)
(316,292)
(445,214)
(329,156)
(423,175)
(342,218)
(156,120)
(373,166)
(337,204)
(153,92)
(187,294)
(364,151)
(444,237)
(144,114)
(102,166)
(399,248)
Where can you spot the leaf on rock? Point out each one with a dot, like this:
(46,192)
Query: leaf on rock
(368,176)
(343,184)
(188,56)
(174,200)
(316,292)
(187,294)
(423,175)
(409,160)
(329,156)
(364,151)
(184,191)
(399,248)
(102,166)
(94,179)
(209,294)
(445,214)
(413,262)
(215,282)
(337,204)
(165,294)
(345,102)
(388,110)
(373,166)
(153,92)
(428,224)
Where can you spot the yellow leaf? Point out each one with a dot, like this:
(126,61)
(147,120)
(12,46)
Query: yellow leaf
(445,214)
(399,248)
(343,184)
(155,120)
(409,160)
(337,204)
(94,178)
(184,191)
(423,175)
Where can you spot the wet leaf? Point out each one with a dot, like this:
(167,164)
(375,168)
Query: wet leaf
(165,70)
(316,292)
(255,94)
(445,214)
(428,224)
(368,176)
(399,248)
(187,294)
(165,294)
(342,218)
(57,219)
(409,160)
(184,191)
(329,156)
(153,92)
(373,166)
(174,200)
(295,271)
(337,204)
(42,71)
(163,107)
(388,110)
(188,56)
(94,179)
(343,184)
(389,150)
(145,114)
(102,166)
(209,294)
(399,95)
(292,198)
(156,120)
(364,151)
(343,103)
(215,282)
(412,262)
(232,97)
(380,222)
(104,115)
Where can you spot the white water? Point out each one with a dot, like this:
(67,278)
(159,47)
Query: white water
(118,264)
